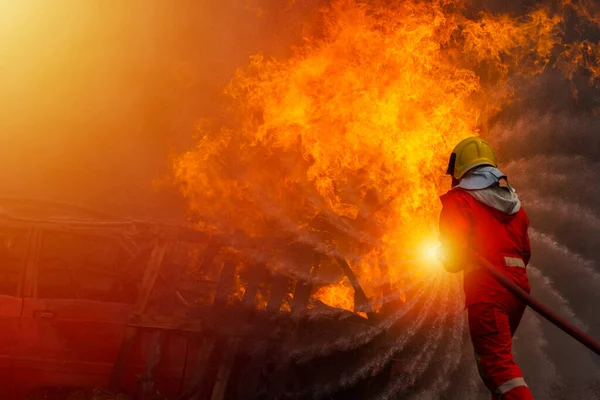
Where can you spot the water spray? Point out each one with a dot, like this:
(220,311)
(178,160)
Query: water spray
(541,309)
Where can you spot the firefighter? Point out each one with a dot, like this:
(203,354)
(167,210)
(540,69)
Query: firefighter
(482,214)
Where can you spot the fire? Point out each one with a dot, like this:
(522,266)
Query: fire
(358,124)
(338,295)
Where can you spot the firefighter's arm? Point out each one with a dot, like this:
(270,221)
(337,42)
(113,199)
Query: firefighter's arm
(455,228)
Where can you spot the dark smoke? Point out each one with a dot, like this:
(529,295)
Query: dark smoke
(551,151)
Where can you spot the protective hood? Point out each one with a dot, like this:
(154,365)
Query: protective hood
(481,178)
(484,185)
(503,199)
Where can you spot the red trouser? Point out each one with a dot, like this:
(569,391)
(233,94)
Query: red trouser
(492,326)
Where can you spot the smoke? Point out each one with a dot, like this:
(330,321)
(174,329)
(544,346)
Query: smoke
(96,98)
(550,153)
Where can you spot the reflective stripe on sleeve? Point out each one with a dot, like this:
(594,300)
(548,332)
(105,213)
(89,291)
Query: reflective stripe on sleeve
(510,385)
(514,262)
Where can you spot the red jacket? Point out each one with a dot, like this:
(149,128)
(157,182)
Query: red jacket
(466,223)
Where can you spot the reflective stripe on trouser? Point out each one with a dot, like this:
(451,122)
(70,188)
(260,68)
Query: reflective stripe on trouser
(517,393)
(492,326)
(510,385)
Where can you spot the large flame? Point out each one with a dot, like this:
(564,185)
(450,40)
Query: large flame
(358,125)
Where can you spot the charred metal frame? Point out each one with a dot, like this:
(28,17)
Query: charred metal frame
(235,326)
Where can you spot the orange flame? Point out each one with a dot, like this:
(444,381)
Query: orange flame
(376,103)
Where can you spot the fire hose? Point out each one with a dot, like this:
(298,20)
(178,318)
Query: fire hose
(541,309)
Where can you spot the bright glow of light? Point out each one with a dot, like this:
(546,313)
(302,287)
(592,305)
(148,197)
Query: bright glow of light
(430,258)
(431,251)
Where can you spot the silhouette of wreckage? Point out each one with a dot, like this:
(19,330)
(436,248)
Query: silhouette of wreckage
(90,300)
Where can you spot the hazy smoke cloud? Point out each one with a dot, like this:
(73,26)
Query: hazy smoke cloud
(549,146)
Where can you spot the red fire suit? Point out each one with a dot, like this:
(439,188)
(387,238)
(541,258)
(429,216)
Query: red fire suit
(467,224)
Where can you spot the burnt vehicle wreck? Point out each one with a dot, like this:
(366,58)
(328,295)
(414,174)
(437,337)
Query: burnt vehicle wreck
(142,308)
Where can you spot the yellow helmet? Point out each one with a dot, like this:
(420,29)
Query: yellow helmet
(470,153)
